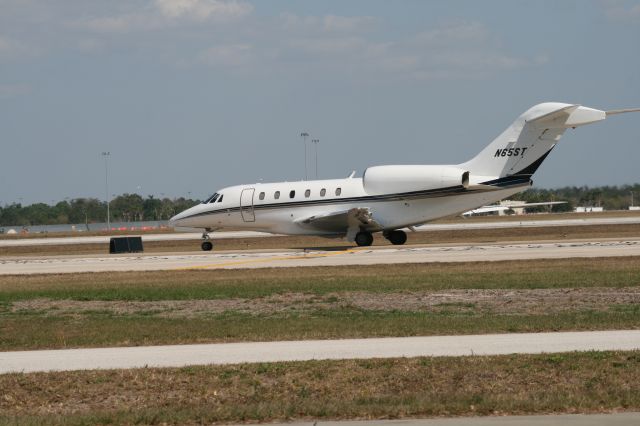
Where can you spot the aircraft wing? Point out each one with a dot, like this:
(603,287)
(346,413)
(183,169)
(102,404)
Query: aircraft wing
(347,222)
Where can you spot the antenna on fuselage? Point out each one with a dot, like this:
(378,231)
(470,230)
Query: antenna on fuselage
(353,173)
(304,136)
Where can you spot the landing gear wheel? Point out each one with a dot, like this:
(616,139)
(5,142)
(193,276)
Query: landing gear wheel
(207,245)
(397,237)
(364,238)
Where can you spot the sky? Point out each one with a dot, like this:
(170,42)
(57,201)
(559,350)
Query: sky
(190,96)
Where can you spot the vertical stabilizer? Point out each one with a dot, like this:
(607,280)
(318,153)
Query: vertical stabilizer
(524,145)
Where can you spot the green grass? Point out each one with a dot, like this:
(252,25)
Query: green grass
(48,328)
(352,389)
(27,331)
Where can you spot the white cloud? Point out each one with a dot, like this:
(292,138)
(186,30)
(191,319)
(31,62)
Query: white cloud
(327,23)
(121,24)
(331,46)
(165,13)
(454,33)
(203,9)
(346,23)
(453,50)
(324,43)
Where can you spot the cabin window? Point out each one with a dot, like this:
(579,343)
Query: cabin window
(338,191)
(261,196)
(292,194)
(220,199)
(276,195)
(323,192)
(307,193)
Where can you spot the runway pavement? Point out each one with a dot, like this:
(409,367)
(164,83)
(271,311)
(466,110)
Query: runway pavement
(391,347)
(180,236)
(293,258)
(613,419)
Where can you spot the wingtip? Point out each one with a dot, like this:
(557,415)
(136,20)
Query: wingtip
(621,111)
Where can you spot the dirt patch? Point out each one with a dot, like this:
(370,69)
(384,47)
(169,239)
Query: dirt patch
(494,301)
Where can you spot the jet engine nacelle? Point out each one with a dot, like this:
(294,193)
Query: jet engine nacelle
(398,179)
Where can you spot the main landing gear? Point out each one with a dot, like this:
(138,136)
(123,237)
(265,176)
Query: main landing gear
(206,244)
(396,237)
(364,238)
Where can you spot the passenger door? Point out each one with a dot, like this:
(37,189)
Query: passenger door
(246,205)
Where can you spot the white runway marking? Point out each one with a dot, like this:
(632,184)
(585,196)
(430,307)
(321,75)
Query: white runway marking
(359,256)
(392,347)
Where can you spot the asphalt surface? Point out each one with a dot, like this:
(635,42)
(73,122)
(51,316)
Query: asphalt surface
(252,352)
(253,234)
(614,419)
(293,258)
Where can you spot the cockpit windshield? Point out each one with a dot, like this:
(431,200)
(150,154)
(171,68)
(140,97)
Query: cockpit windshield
(217,197)
(211,199)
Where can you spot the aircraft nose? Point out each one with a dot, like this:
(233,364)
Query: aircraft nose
(175,220)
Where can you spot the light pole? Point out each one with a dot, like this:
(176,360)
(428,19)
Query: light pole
(105,155)
(631,198)
(304,136)
(315,145)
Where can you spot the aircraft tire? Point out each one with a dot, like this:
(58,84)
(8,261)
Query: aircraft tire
(364,238)
(397,237)
(207,245)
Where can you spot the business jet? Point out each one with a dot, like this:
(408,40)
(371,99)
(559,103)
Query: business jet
(391,198)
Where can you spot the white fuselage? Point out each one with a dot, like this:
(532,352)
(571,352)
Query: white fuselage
(256,207)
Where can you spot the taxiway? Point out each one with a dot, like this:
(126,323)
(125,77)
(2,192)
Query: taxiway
(390,347)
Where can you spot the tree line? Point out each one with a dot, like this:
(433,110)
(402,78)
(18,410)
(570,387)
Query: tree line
(123,208)
(609,197)
(133,207)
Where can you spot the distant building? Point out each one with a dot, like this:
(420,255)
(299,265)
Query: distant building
(581,209)
(635,208)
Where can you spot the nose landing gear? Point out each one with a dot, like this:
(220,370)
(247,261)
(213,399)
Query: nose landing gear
(396,237)
(206,244)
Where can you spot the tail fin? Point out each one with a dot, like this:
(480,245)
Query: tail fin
(523,146)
